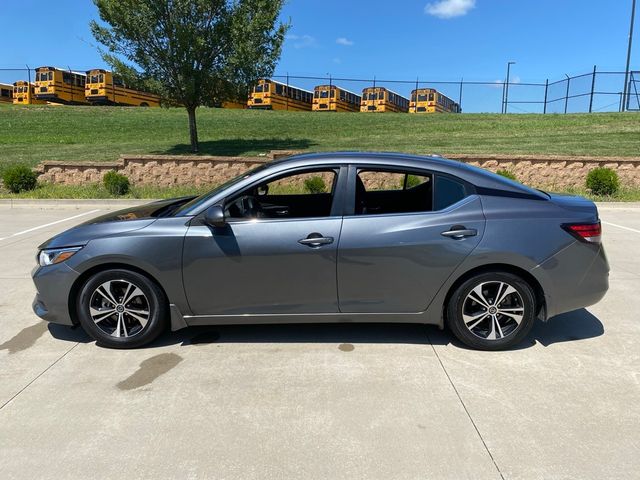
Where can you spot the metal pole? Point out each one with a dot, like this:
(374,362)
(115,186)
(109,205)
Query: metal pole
(287,97)
(71,84)
(593,86)
(626,71)
(29,76)
(460,96)
(506,88)
(621,100)
(546,91)
(566,96)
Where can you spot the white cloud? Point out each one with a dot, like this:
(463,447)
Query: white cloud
(512,79)
(344,41)
(449,8)
(301,41)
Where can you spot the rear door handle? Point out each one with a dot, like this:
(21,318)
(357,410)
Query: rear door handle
(315,240)
(458,233)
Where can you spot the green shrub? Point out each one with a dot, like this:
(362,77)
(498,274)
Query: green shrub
(19,178)
(315,185)
(413,181)
(507,174)
(603,181)
(116,183)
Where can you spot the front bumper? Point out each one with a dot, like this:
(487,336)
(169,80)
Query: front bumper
(53,284)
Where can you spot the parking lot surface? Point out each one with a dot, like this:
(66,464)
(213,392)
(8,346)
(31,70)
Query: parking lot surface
(319,401)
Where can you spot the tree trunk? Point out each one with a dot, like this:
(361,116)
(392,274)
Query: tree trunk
(193,129)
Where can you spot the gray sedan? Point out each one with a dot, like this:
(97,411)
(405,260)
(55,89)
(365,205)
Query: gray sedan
(332,237)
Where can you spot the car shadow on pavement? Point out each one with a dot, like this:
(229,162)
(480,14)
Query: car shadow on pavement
(568,327)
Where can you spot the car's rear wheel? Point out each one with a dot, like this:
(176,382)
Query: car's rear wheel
(121,309)
(492,311)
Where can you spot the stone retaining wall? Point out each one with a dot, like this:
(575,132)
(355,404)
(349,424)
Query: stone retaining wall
(551,172)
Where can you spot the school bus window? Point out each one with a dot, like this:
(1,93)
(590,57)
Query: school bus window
(278,89)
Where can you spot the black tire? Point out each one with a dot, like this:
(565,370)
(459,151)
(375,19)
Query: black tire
(502,330)
(151,299)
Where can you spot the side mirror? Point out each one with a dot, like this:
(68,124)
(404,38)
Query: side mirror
(214,216)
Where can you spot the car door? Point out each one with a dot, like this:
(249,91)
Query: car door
(407,233)
(275,255)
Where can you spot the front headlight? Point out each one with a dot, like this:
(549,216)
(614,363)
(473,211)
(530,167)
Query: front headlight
(52,256)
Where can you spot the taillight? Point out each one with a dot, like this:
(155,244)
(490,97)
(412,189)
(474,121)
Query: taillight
(587,232)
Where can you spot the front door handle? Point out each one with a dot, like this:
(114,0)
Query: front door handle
(458,232)
(315,240)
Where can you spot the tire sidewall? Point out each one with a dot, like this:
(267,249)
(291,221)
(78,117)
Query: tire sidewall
(155,297)
(456,303)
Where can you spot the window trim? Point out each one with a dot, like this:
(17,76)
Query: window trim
(350,189)
(337,203)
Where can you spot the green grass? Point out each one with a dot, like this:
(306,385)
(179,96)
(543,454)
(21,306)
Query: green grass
(94,190)
(33,134)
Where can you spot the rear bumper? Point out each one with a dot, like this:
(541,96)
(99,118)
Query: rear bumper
(574,278)
(53,284)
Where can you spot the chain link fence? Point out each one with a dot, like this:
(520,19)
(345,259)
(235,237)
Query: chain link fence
(594,91)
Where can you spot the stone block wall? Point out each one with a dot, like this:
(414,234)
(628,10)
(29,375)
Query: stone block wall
(551,172)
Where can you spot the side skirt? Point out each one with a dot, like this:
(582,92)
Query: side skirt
(199,320)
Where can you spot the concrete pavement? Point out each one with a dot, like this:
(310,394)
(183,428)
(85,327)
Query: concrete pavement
(319,401)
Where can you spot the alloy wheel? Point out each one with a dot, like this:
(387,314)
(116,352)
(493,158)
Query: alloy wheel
(493,310)
(119,308)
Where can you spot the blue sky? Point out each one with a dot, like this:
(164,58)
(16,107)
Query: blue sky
(430,39)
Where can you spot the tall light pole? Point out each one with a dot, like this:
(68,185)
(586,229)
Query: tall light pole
(626,71)
(506,88)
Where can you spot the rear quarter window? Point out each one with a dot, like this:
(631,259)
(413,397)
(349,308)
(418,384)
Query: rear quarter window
(447,191)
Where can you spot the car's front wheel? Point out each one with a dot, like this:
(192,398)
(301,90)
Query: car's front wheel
(492,311)
(121,309)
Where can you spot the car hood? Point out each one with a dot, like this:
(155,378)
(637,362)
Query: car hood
(114,223)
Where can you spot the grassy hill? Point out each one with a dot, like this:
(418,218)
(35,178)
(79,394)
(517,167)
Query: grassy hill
(33,134)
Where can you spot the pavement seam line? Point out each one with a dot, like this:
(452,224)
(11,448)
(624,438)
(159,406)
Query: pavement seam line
(38,376)
(495,464)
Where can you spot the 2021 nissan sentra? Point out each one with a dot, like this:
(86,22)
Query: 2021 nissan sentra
(332,237)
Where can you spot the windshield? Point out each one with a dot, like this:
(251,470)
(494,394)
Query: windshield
(204,198)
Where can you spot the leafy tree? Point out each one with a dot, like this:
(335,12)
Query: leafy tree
(191,52)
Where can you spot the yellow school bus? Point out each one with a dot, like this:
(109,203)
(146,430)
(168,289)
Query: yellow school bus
(6,93)
(429,100)
(60,86)
(24,93)
(380,99)
(271,95)
(102,88)
(233,105)
(330,98)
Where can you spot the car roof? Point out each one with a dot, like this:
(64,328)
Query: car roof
(479,177)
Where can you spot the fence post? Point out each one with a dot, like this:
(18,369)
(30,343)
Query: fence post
(593,86)
(566,96)
(71,84)
(621,98)
(287,100)
(29,76)
(546,91)
(460,96)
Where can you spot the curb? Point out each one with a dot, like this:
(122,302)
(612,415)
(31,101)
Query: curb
(110,203)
